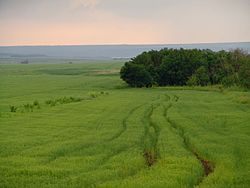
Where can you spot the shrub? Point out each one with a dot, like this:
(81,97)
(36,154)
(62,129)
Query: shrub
(230,80)
(13,108)
(63,100)
(192,81)
(75,99)
(201,75)
(28,107)
(50,102)
(104,93)
(93,95)
(36,104)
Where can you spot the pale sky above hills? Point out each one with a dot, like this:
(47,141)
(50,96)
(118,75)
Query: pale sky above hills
(52,22)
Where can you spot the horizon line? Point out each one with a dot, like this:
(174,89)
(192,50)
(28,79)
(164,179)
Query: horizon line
(122,44)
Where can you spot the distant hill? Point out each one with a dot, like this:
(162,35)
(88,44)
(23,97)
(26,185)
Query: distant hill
(105,52)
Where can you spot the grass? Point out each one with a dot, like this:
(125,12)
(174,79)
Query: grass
(101,133)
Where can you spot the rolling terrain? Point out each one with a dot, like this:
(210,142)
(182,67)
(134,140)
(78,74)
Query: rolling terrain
(79,125)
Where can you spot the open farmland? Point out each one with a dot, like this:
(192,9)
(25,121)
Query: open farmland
(79,125)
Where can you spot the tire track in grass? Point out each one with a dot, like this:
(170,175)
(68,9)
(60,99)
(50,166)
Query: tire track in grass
(208,167)
(125,123)
(117,151)
(96,167)
(152,132)
(149,155)
(151,136)
(125,120)
(124,128)
(150,139)
(62,152)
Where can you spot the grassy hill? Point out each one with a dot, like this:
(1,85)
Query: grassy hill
(78,125)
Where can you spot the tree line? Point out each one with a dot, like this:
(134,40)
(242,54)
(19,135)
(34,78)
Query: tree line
(179,67)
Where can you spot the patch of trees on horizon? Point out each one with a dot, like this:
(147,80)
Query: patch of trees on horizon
(193,67)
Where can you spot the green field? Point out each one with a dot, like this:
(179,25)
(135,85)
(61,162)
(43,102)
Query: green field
(79,125)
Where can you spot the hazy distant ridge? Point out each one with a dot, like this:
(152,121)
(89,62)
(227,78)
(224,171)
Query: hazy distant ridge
(104,51)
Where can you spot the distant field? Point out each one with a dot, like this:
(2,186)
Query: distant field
(79,125)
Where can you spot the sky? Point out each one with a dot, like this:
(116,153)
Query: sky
(83,22)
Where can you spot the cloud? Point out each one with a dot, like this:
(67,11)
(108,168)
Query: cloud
(123,21)
(84,3)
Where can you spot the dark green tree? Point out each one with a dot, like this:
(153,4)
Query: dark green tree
(187,66)
(136,75)
(244,75)
(202,77)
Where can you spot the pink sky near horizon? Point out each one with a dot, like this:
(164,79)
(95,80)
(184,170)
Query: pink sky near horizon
(76,22)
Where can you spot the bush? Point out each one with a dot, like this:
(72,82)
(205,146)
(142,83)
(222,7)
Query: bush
(13,108)
(50,102)
(201,75)
(230,80)
(28,107)
(93,95)
(36,104)
(192,81)
(63,100)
